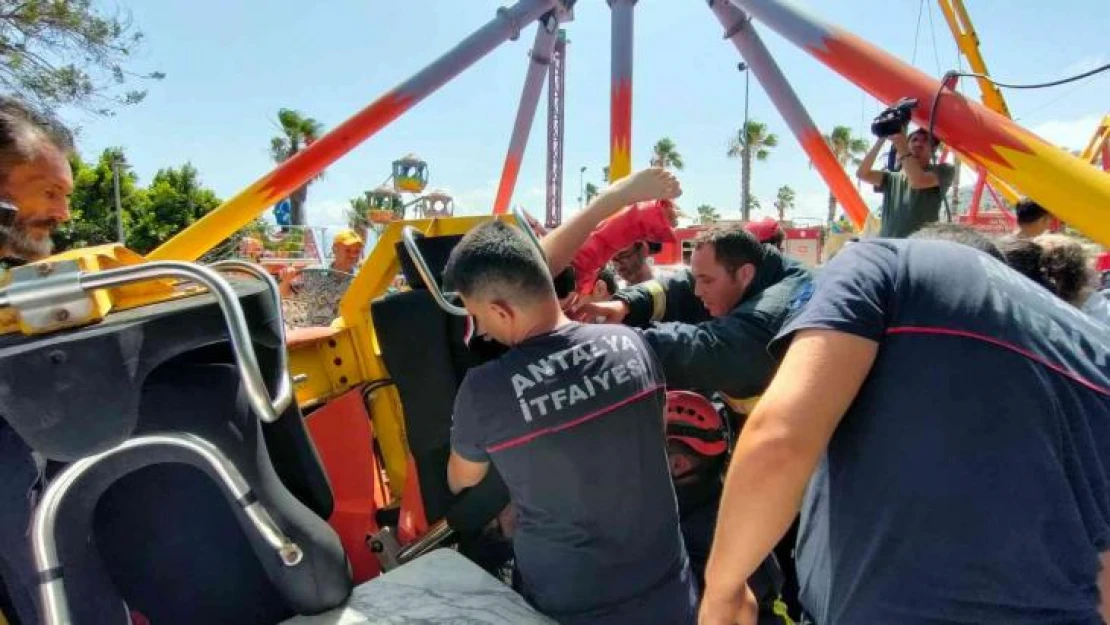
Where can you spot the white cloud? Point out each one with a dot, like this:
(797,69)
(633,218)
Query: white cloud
(326,212)
(1072,134)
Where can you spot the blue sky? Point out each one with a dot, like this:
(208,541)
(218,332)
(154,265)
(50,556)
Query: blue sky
(231,64)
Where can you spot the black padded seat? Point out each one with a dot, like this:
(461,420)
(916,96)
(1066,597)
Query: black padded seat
(425,351)
(151,527)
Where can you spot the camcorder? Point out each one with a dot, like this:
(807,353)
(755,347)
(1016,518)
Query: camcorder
(894,119)
(8,211)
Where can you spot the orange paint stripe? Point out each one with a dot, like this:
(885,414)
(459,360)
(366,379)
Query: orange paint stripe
(505,188)
(839,183)
(327,149)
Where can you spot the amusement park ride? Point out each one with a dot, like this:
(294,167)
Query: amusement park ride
(331,449)
(410,176)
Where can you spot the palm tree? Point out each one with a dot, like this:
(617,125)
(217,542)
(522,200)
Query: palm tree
(358,218)
(591,191)
(752,141)
(847,150)
(784,201)
(707,214)
(665,155)
(297,132)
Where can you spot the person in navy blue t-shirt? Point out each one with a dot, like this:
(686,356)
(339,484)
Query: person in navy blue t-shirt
(955,420)
(572,417)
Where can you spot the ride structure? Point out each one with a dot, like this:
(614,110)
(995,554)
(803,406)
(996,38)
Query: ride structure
(370,455)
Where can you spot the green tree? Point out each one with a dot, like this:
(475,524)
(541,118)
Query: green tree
(784,201)
(847,150)
(93,218)
(173,201)
(605,174)
(666,155)
(707,214)
(591,191)
(753,141)
(297,132)
(68,53)
(358,215)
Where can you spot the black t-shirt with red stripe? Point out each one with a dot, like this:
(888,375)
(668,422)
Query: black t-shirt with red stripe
(969,480)
(573,421)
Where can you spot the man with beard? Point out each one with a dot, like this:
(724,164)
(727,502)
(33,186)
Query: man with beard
(35,181)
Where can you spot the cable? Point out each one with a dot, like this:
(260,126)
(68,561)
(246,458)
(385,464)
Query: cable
(950,75)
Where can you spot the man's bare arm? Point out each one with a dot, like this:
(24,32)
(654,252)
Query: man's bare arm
(777,452)
(866,171)
(561,244)
(463,473)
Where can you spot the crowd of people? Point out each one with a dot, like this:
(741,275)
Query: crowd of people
(916,433)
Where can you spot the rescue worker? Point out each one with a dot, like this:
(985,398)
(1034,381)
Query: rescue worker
(919,504)
(570,415)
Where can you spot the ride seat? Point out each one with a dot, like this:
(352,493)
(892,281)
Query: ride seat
(425,351)
(151,526)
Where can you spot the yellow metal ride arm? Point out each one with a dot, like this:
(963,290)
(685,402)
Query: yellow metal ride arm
(348,354)
(1098,148)
(959,22)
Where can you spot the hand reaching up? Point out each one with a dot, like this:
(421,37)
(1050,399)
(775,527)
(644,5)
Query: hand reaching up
(654,183)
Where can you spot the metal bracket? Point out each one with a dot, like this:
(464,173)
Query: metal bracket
(386,547)
(49,296)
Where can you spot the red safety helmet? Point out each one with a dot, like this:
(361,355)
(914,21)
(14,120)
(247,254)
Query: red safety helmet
(694,421)
(765,229)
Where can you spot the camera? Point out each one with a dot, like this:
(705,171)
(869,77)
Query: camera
(8,211)
(894,120)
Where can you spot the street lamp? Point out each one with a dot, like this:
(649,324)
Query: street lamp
(743,67)
(581,186)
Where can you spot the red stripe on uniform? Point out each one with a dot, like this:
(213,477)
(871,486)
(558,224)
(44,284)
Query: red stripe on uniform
(1003,344)
(527,438)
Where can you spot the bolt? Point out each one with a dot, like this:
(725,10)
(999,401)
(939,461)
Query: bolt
(291,554)
(56,357)
(61,315)
(45,269)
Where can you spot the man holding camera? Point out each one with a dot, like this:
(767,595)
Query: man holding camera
(913,189)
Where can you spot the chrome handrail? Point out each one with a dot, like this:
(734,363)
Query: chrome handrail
(408,238)
(44,546)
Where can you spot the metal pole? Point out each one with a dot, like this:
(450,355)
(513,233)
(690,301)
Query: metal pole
(1073,190)
(739,29)
(540,56)
(119,205)
(556,84)
(620,107)
(237,212)
(745,202)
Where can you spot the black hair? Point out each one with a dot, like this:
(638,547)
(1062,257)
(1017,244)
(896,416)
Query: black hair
(733,247)
(1025,257)
(565,282)
(609,277)
(1027,211)
(495,261)
(23,130)
(1064,263)
(959,234)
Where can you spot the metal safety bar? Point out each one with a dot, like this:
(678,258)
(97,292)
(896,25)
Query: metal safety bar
(27,294)
(44,546)
(408,238)
(284,395)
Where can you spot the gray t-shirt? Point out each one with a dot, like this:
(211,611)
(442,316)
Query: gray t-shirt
(968,480)
(316,301)
(905,209)
(573,421)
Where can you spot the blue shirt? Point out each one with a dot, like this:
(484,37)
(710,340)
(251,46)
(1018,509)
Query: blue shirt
(573,421)
(967,482)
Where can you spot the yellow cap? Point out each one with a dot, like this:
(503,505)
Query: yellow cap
(347,237)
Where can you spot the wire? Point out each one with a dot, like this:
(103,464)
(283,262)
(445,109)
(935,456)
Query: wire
(950,75)
(917,32)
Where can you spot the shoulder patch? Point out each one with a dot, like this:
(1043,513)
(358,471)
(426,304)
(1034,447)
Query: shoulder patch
(801,296)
